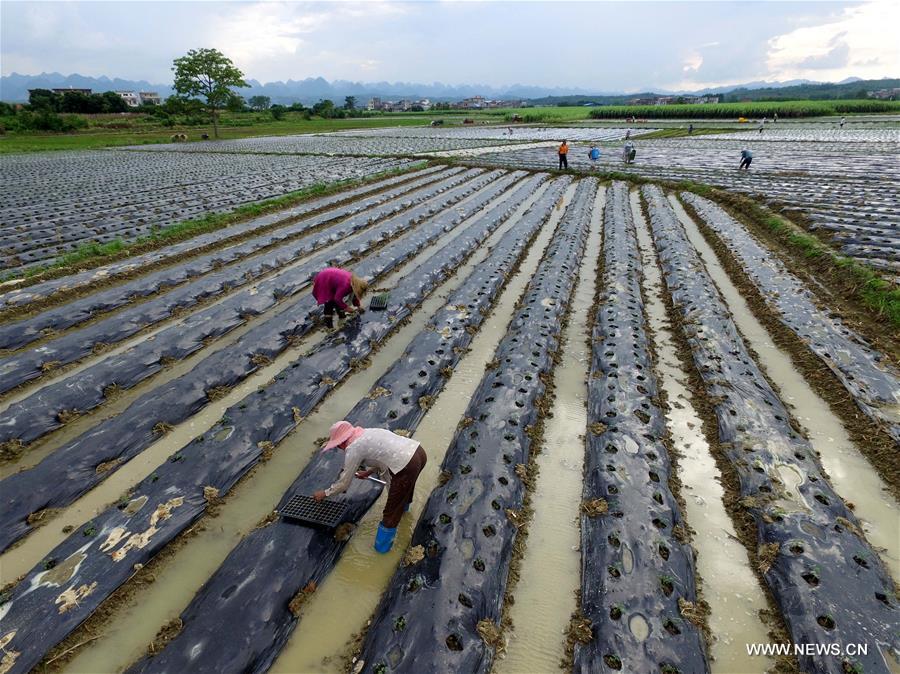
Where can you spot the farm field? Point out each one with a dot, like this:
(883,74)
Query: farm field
(844,185)
(53,203)
(652,436)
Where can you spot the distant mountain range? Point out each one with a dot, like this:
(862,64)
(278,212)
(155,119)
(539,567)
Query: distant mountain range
(14,88)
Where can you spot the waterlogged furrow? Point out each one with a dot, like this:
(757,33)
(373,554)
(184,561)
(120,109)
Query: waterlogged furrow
(259,607)
(829,584)
(874,385)
(637,573)
(100,556)
(18,334)
(92,457)
(23,367)
(48,289)
(46,409)
(443,611)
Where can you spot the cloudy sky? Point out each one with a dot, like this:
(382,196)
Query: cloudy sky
(600,46)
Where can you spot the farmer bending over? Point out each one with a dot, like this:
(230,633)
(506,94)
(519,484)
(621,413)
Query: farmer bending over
(746,158)
(332,285)
(399,460)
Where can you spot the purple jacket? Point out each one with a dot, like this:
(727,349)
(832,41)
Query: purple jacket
(333,285)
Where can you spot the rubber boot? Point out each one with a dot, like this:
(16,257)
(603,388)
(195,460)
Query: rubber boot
(384,538)
(329,322)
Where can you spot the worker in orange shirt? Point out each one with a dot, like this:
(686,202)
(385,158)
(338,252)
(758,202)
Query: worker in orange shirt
(563,152)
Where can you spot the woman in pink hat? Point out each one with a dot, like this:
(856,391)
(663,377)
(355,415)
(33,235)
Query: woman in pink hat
(332,285)
(399,460)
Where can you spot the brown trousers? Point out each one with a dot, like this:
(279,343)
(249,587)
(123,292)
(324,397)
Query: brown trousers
(403,484)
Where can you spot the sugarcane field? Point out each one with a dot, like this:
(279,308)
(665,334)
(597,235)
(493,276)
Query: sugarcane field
(600,386)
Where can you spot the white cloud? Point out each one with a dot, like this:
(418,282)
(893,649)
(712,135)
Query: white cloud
(861,42)
(261,37)
(693,62)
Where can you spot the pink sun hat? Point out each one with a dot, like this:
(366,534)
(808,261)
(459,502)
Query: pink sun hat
(341,432)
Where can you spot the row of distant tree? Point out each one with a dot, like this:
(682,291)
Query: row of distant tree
(205,83)
(45,100)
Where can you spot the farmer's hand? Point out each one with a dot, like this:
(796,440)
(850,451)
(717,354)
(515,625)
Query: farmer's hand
(363,474)
(319,495)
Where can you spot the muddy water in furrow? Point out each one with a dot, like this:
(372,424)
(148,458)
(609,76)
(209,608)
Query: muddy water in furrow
(32,549)
(350,595)
(137,620)
(849,472)
(42,448)
(550,571)
(148,333)
(726,579)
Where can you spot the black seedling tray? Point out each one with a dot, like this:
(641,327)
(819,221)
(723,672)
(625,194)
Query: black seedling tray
(379,302)
(306,509)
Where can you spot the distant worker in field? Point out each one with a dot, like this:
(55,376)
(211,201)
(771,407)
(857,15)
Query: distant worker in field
(629,152)
(843,119)
(594,156)
(627,134)
(746,158)
(775,118)
(397,459)
(332,286)
(762,123)
(563,155)
(690,129)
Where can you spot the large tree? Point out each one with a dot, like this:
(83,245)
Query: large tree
(259,102)
(210,74)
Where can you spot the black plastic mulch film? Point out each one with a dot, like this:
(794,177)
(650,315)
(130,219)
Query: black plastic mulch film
(39,413)
(113,195)
(830,585)
(20,333)
(248,622)
(469,524)
(46,289)
(73,467)
(865,373)
(633,566)
(840,193)
(100,556)
(21,367)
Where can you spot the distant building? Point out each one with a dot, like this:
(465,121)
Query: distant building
(397,106)
(471,103)
(676,100)
(885,94)
(149,98)
(132,99)
(702,99)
